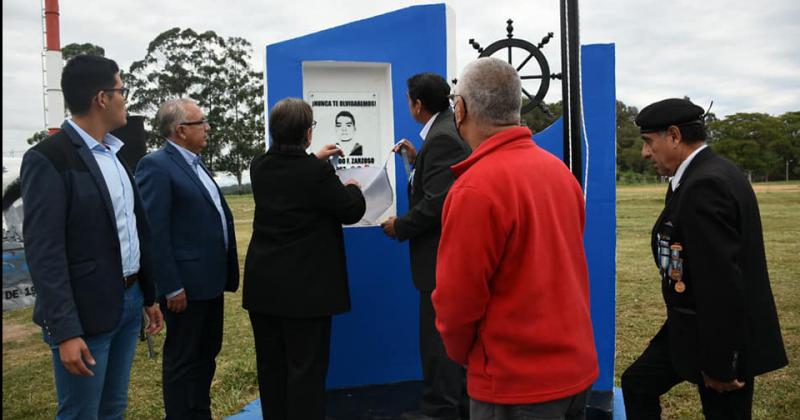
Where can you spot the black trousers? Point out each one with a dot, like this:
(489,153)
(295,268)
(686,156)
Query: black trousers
(292,363)
(568,408)
(652,375)
(445,392)
(194,338)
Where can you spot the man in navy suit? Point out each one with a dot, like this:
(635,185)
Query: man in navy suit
(86,242)
(195,251)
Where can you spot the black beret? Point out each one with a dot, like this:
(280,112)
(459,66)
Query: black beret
(662,114)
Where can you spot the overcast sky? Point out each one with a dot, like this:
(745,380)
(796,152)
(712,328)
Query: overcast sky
(745,55)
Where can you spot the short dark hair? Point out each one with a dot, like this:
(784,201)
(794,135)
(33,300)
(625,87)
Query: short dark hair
(431,89)
(289,120)
(83,76)
(345,114)
(692,132)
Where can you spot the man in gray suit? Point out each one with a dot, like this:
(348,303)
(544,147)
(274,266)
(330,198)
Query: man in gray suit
(444,396)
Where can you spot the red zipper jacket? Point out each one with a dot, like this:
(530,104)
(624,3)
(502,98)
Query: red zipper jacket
(512,283)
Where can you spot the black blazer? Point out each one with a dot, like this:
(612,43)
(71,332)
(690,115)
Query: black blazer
(295,265)
(422,225)
(188,243)
(71,241)
(724,323)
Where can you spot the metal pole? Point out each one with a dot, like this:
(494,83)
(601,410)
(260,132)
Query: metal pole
(570,87)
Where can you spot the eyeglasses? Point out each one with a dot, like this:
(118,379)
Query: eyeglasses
(198,122)
(313,125)
(122,91)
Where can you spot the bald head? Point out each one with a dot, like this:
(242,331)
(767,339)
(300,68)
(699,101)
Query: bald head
(492,91)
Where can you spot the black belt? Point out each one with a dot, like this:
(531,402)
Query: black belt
(130,280)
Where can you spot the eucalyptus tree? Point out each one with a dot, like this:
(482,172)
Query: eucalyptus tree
(236,107)
(73,49)
(242,109)
(214,71)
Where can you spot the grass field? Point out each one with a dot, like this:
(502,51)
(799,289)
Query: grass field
(640,308)
(28,391)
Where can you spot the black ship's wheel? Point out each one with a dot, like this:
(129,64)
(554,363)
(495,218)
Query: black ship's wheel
(538,82)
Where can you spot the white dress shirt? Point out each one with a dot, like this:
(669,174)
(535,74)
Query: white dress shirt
(676,179)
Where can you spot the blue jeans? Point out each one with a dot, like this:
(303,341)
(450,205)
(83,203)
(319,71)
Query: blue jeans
(104,395)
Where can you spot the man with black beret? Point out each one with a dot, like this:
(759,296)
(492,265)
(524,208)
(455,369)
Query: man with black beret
(722,327)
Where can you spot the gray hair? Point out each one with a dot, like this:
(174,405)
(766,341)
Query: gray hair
(170,114)
(492,91)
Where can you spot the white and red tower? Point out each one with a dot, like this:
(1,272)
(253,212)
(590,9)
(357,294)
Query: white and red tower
(52,65)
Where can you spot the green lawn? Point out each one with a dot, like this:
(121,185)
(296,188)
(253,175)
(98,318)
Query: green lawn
(28,380)
(640,308)
(28,386)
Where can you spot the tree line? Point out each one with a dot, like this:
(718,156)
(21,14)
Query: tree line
(216,72)
(766,147)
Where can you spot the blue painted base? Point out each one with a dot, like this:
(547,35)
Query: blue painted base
(619,404)
(251,411)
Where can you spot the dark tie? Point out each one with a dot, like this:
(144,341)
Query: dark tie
(669,193)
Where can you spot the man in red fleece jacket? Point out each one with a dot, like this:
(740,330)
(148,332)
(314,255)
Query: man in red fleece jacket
(512,288)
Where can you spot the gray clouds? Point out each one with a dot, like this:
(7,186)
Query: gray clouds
(743,55)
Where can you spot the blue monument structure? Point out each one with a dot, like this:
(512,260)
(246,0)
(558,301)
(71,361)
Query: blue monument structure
(599,172)
(368,62)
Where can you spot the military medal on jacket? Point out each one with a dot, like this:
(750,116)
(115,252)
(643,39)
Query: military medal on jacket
(670,263)
(676,267)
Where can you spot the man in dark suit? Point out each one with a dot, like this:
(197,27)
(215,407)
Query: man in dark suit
(722,327)
(445,390)
(86,243)
(195,250)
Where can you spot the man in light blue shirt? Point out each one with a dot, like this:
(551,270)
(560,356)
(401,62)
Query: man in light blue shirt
(195,250)
(86,243)
(121,191)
